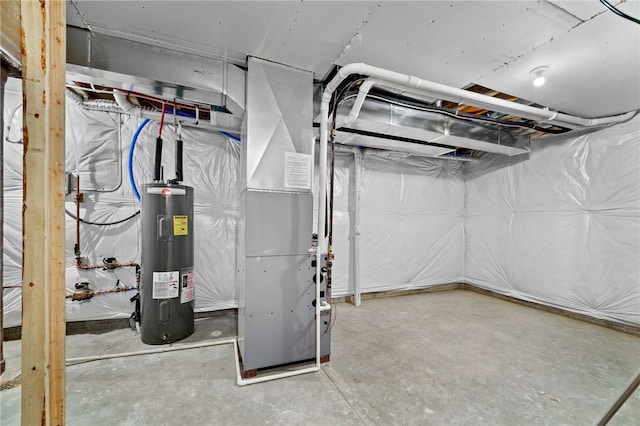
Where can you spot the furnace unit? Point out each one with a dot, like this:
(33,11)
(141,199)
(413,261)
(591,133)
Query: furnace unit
(276,268)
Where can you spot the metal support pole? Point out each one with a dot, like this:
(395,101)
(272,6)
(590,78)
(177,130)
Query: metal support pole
(3,80)
(633,385)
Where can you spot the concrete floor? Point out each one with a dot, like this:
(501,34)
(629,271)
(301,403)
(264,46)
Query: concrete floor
(445,358)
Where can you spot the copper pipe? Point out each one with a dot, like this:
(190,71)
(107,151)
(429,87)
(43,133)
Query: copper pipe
(114,266)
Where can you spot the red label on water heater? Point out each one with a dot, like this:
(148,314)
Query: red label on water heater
(166,192)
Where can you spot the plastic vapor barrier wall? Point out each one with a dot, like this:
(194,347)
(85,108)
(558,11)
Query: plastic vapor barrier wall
(97,145)
(411,222)
(563,227)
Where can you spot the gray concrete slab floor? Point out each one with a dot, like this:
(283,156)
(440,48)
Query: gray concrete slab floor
(444,358)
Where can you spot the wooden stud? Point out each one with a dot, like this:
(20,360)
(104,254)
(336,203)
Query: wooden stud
(43,32)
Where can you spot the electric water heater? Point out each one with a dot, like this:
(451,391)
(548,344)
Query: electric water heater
(167,285)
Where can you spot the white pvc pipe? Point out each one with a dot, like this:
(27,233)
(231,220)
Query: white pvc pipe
(150,351)
(362,94)
(357,182)
(322,209)
(410,83)
(243,382)
(239,380)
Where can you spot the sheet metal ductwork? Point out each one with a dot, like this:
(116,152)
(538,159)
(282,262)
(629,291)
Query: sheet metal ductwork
(384,125)
(95,58)
(427,123)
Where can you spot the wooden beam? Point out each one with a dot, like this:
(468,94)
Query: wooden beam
(43,32)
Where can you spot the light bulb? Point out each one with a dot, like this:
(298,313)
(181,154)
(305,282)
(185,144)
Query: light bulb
(538,73)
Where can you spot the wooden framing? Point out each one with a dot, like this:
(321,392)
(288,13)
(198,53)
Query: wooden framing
(43,32)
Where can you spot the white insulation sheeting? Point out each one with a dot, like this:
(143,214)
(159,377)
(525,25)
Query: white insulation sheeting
(411,226)
(12,209)
(560,228)
(563,227)
(412,219)
(98,148)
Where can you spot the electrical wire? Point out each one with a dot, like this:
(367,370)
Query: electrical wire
(164,108)
(619,12)
(117,222)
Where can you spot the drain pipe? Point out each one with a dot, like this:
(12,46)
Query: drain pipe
(163,349)
(181,347)
(405,82)
(357,183)
(365,87)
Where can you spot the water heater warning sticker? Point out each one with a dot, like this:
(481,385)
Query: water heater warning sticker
(181,225)
(186,283)
(165,285)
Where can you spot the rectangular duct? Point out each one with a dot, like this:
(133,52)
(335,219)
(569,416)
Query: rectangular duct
(441,132)
(101,59)
(412,148)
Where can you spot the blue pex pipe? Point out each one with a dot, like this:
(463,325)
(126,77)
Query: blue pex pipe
(134,139)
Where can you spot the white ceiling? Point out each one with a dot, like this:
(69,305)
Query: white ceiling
(593,55)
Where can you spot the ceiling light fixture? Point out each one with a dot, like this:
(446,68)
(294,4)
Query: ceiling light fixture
(538,72)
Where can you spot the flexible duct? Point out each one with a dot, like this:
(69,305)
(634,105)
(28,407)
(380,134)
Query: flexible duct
(93,104)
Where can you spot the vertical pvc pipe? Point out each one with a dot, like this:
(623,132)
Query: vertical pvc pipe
(357,183)
(322,208)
